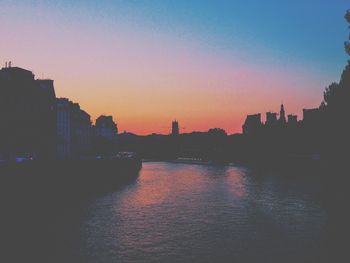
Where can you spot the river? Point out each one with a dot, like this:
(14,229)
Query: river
(202,213)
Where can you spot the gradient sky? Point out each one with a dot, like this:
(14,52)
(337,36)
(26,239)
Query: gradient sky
(205,63)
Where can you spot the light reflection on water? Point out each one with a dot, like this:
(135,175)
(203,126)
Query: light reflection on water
(194,213)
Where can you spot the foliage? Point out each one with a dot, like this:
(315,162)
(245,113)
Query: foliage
(217,131)
(337,95)
(347,43)
(330,94)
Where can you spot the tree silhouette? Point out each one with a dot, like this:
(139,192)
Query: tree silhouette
(347,43)
(217,132)
(337,95)
(330,94)
(335,110)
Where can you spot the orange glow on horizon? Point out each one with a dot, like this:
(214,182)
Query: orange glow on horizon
(147,79)
(221,98)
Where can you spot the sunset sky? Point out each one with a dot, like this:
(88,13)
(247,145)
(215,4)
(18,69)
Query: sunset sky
(205,63)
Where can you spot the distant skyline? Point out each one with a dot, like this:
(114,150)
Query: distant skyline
(205,63)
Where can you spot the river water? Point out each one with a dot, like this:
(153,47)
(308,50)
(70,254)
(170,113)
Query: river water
(201,213)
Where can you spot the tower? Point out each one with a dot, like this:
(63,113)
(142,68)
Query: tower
(175,128)
(282,118)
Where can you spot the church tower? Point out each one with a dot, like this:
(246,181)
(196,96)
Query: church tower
(282,118)
(175,128)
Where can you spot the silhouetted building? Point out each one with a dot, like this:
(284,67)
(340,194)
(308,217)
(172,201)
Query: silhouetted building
(292,119)
(82,132)
(271,119)
(311,115)
(106,128)
(63,128)
(47,88)
(175,128)
(27,113)
(74,130)
(282,120)
(252,124)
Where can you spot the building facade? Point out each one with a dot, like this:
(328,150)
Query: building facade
(27,113)
(252,124)
(74,131)
(311,115)
(271,119)
(106,128)
(292,119)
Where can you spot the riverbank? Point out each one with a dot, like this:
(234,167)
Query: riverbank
(35,197)
(312,162)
